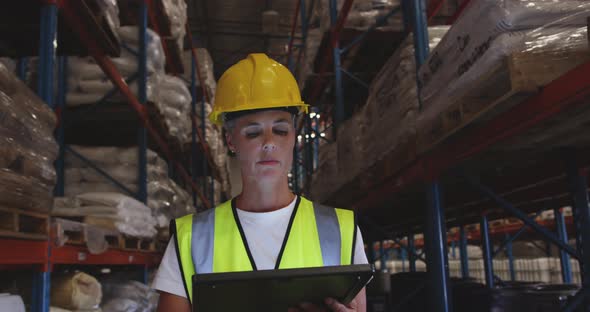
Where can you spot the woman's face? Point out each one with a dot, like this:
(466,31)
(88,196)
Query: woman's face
(264,144)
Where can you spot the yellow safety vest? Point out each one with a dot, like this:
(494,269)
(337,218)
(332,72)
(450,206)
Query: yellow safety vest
(214,242)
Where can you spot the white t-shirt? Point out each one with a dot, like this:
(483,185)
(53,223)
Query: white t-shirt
(264,231)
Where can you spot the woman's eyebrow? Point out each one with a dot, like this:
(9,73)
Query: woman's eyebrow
(282,120)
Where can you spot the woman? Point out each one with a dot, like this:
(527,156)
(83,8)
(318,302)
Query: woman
(266,226)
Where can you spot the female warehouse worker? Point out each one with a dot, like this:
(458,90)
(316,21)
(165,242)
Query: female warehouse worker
(266,226)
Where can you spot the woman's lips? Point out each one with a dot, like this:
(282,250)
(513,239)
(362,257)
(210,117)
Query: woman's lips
(268,162)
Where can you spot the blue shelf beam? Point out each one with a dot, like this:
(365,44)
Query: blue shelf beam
(510,257)
(522,216)
(578,186)
(47,47)
(142,97)
(62,88)
(436,251)
(412,252)
(566,272)
(487,251)
(21,68)
(463,252)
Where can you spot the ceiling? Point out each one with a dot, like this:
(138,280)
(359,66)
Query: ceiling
(230,29)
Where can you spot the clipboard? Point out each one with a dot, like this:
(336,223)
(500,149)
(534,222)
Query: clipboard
(277,290)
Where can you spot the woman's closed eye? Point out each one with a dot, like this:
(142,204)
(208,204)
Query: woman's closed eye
(252,134)
(281,132)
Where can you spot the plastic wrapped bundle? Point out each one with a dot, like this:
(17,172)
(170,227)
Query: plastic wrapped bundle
(113,210)
(28,149)
(176,12)
(205,68)
(363,14)
(129,296)
(87,83)
(75,291)
(487,31)
(12,303)
(110,11)
(174,104)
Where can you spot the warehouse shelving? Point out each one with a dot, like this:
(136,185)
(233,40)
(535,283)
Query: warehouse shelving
(509,182)
(87,37)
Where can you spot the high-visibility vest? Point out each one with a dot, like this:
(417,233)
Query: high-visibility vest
(213,241)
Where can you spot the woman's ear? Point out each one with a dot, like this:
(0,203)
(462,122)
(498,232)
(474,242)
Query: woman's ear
(229,141)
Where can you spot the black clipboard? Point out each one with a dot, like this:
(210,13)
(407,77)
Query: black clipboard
(277,290)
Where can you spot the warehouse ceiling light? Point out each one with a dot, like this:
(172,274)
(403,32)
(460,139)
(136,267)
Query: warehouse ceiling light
(323,135)
(312,115)
(313,135)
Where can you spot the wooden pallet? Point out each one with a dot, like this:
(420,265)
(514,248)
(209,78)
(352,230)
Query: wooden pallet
(17,223)
(136,243)
(513,80)
(77,235)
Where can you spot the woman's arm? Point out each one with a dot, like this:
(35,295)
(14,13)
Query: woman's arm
(170,302)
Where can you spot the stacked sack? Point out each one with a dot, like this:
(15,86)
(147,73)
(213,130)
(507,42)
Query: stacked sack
(128,296)
(213,135)
(363,14)
(165,198)
(389,114)
(112,211)
(392,106)
(205,70)
(490,30)
(175,10)
(87,83)
(28,150)
(75,292)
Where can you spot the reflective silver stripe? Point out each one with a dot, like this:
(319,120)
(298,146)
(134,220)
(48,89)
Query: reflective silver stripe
(329,232)
(202,241)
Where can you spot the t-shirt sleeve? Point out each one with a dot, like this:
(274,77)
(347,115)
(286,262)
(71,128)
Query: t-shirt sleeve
(168,278)
(360,257)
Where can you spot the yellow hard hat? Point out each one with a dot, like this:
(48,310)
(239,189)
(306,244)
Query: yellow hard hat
(256,82)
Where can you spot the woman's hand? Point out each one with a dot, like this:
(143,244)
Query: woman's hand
(358,304)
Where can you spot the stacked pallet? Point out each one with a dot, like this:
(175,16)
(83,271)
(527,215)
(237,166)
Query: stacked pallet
(27,153)
(169,98)
(166,199)
(506,51)
(380,139)
(213,135)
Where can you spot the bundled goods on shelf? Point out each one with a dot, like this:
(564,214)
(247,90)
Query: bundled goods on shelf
(325,178)
(165,198)
(112,211)
(108,11)
(12,303)
(129,296)
(97,239)
(76,291)
(496,54)
(389,114)
(312,46)
(119,163)
(218,189)
(175,10)
(393,105)
(28,149)
(540,270)
(173,102)
(363,14)
(88,84)
(205,71)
